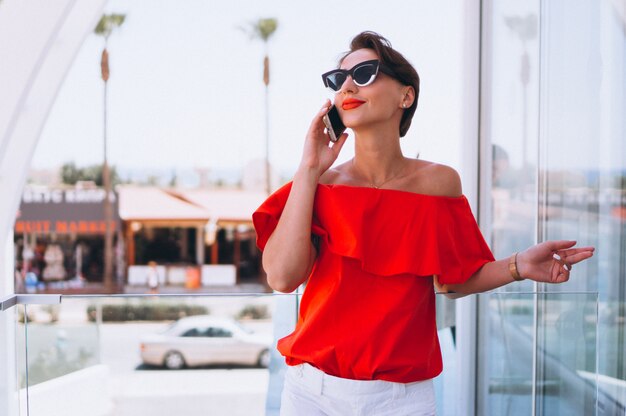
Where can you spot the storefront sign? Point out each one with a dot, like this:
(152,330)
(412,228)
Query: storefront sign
(62,227)
(60,196)
(64,211)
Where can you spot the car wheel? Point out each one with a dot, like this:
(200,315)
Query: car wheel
(174,360)
(264,359)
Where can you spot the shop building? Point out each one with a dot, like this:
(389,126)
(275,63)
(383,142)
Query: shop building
(59,237)
(192,238)
(195,238)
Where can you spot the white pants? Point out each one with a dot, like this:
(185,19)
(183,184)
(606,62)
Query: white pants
(311,392)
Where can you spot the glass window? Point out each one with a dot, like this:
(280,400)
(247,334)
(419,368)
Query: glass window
(582,182)
(216,332)
(555,99)
(193,332)
(511,64)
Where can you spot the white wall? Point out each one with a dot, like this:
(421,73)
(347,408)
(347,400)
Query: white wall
(89,389)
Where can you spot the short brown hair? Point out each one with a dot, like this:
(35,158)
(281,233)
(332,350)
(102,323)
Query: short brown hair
(403,70)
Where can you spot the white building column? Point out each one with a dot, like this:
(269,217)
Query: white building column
(467,307)
(38,42)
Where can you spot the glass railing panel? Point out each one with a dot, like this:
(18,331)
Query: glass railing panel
(541,351)
(60,342)
(14,319)
(567,365)
(507,344)
(61,351)
(583,167)
(148,355)
(445,383)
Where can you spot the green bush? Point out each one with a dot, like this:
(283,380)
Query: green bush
(521,310)
(253,312)
(146,312)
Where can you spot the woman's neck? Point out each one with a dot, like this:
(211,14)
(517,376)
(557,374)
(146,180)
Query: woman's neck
(378,158)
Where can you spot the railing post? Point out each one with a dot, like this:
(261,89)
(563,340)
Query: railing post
(7,302)
(467,355)
(285,316)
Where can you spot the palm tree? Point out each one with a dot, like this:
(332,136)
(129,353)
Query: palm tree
(106,25)
(526,28)
(263,29)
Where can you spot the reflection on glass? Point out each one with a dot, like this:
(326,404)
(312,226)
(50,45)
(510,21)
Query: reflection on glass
(508,353)
(512,127)
(566,354)
(568,85)
(583,169)
(563,350)
(192,355)
(506,324)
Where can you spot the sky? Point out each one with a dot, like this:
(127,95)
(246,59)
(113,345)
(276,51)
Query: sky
(186,85)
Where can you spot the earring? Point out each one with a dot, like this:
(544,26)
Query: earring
(403,105)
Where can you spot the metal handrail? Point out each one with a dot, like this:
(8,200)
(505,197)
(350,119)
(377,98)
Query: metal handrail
(28,299)
(55,299)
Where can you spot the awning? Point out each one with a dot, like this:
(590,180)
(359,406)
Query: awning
(162,206)
(156,204)
(227,205)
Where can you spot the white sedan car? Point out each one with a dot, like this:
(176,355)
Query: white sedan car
(203,340)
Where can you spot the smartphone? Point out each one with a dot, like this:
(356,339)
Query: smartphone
(333,123)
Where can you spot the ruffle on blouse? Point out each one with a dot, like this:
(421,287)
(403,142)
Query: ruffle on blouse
(390,232)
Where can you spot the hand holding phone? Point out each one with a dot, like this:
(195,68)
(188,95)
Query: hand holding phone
(333,124)
(318,154)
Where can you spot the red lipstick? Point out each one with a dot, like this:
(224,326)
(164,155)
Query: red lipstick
(351,103)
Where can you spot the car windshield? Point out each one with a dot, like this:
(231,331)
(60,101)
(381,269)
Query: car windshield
(174,327)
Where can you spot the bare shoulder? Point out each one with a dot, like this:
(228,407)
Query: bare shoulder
(434,179)
(337,174)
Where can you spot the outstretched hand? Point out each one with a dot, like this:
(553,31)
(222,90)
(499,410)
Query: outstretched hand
(551,261)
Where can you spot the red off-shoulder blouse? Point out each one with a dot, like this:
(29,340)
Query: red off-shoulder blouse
(368,310)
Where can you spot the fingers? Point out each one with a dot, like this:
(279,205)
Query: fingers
(573,251)
(324,109)
(339,144)
(560,270)
(557,258)
(562,262)
(322,112)
(558,273)
(576,256)
(317,122)
(557,245)
(566,256)
(566,262)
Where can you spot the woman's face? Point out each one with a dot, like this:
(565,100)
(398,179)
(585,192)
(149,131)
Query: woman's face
(377,104)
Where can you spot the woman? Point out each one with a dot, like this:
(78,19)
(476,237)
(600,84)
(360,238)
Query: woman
(375,237)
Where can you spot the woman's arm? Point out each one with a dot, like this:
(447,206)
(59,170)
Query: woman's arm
(289,254)
(548,262)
